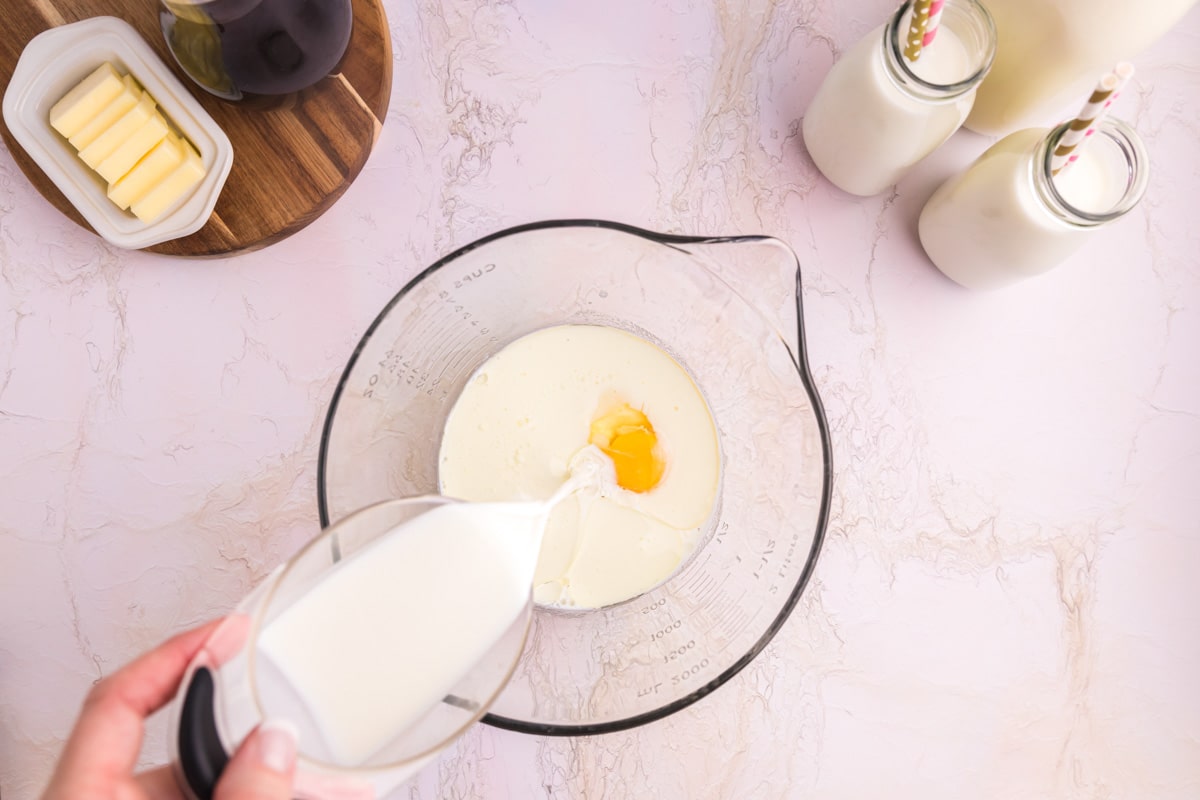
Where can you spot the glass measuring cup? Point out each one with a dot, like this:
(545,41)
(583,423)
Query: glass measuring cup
(232,685)
(727,309)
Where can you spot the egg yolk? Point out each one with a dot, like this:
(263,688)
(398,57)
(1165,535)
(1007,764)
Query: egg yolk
(625,435)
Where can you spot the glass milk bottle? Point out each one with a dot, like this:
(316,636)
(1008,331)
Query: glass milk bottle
(1008,217)
(878,113)
(1049,51)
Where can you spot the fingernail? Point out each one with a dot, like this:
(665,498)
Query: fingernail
(228,638)
(277,745)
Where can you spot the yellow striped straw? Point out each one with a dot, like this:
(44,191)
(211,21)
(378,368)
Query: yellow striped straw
(916,29)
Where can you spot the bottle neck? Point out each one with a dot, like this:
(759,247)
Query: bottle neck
(941,79)
(1104,184)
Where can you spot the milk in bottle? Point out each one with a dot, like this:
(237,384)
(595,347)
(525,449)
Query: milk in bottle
(878,113)
(1008,217)
(1048,51)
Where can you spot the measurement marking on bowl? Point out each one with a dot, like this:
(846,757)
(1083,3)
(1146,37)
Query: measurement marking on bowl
(689,672)
(680,651)
(464,354)
(735,622)
(665,630)
(445,345)
(722,607)
(764,559)
(699,575)
(703,583)
(646,691)
(790,552)
(726,616)
(788,555)
(657,604)
(471,275)
(711,591)
(459,310)
(402,371)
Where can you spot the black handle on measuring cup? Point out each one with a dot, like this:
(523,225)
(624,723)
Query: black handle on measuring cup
(202,757)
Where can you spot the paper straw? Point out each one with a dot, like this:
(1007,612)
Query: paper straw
(917,26)
(935,17)
(1085,122)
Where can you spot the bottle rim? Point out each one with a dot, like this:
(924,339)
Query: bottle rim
(1137,173)
(908,80)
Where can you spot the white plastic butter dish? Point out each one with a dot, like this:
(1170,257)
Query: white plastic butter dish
(55,61)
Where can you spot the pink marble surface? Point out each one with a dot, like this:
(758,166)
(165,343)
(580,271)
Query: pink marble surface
(1006,603)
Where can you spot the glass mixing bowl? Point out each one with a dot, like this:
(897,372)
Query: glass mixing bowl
(728,310)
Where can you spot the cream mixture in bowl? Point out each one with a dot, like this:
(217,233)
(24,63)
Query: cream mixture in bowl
(530,410)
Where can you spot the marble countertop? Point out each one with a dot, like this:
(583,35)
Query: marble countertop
(1006,603)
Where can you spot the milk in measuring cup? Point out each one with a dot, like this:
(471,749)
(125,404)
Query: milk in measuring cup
(384,637)
(1007,217)
(379,657)
(877,113)
(1049,53)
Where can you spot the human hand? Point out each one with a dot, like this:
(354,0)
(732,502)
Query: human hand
(101,753)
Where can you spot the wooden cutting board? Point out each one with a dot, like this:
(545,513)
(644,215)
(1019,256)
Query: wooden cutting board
(289,164)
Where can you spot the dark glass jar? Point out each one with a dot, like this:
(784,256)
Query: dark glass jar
(243,49)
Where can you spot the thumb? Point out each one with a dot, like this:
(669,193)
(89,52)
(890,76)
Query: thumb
(263,767)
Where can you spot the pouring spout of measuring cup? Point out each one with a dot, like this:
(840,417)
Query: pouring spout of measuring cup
(382,641)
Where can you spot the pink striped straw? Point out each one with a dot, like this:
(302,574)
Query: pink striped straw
(935,17)
(1094,110)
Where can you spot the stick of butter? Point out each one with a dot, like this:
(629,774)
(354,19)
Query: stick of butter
(117,107)
(86,100)
(132,149)
(119,132)
(171,188)
(156,165)
(107,142)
